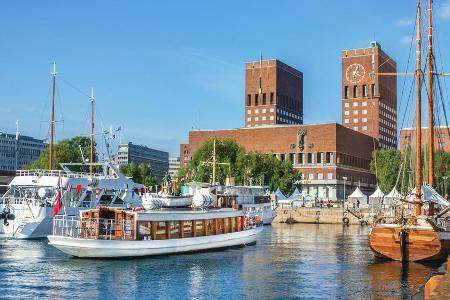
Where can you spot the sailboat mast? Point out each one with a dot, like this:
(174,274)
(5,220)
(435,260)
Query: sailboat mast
(91,167)
(418,209)
(214,162)
(430,83)
(52,118)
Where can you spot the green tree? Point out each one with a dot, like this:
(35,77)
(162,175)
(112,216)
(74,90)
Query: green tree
(65,151)
(441,171)
(385,164)
(246,168)
(139,173)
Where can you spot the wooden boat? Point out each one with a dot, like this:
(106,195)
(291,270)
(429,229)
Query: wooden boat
(109,232)
(419,237)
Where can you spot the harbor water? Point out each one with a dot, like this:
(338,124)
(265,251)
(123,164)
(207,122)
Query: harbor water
(301,261)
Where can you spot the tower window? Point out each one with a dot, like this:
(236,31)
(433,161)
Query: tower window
(256,99)
(346,92)
(271,98)
(355,91)
(364,90)
(264,99)
(249,100)
(373,90)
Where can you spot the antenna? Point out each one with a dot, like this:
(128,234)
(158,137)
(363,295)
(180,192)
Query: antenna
(260,70)
(91,167)
(52,118)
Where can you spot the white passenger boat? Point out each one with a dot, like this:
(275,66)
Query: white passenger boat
(154,200)
(26,209)
(109,232)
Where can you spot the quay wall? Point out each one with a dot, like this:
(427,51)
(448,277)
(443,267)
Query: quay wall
(318,215)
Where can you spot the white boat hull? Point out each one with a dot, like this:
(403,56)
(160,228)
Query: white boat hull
(92,248)
(32,222)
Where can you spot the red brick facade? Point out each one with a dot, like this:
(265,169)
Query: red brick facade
(369,100)
(441,138)
(273,94)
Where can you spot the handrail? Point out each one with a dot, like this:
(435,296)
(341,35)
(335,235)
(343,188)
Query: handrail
(60,173)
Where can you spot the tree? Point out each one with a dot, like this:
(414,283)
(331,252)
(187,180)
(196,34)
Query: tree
(251,168)
(441,171)
(385,164)
(65,151)
(139,173)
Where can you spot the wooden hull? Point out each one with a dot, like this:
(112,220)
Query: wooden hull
(409,243)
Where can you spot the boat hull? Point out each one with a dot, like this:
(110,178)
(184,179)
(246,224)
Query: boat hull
(94,248)
(409,243)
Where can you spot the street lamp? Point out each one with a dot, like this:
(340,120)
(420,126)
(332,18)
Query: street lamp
(343,201)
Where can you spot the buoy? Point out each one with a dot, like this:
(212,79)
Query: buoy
(345,220)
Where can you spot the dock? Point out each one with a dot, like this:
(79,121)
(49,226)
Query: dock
(323,215)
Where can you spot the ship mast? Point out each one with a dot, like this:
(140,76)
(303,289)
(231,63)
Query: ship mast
(214,163)
(418,75)
(91,166)
(52,118)
(430,83)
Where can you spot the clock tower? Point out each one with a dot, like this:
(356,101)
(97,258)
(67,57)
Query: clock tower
(369,100)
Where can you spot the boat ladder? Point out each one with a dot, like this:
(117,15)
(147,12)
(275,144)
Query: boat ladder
(355,213)
(22,225)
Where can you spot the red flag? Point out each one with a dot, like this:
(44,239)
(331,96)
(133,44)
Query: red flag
(97,192)
(78,188)
(57,203)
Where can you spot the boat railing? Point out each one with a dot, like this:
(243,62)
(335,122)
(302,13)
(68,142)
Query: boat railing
(24,200)
(93,228)
(59,173)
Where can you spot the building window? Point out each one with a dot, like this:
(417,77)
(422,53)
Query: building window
(320,176)
(364,103)
(346,121)
(319,157)
(330,176)
(264,99)
(301,158)
(271,98)
(355,120)
(364,128)
(355,112)
(272,110)
(364,90)
(282,157)
(263,118)
(346,113)
(271,118)
(292,157)
(249,112)
(364,112)
(364,120)
(256,111)
(346,92)
(329,157)
(346,104)
(256,119)
(355,91)
(373,90)
(264,111)
(355,104)
(249,119)
(310,158)
(256,99)
(355,128)
(311,176)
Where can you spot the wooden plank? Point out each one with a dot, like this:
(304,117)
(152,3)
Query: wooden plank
(205,230)
(194,228)
(168,229)
(181,229)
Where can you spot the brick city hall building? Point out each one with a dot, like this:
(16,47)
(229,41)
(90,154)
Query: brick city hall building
(327,155)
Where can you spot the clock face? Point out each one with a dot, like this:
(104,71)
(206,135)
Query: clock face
(355,73)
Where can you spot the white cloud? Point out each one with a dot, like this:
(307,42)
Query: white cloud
(406,39)
(444,10)
(405,22)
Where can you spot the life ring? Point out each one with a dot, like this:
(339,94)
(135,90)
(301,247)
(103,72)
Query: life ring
(345,220)
(318,213)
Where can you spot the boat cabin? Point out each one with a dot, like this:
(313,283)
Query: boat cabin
(126,224)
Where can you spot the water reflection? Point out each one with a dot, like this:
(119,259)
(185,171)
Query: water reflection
(305,261)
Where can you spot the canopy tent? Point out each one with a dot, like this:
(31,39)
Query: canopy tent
(280,195)
(393,197)
(377,197)
(357,195)
(428,195)
(296,195)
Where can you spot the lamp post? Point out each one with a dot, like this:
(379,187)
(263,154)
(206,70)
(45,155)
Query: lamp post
(343,201)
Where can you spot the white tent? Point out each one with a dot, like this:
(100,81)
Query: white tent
(357,195)
(296,195)
(393,197)
(280,195)
(377,197)
(428,195)
(282,200)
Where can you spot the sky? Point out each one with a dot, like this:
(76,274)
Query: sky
(160,68)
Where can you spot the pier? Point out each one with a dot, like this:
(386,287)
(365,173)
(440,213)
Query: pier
(324,215)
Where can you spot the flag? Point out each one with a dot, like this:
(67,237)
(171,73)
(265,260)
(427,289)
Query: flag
(97,192)
(78,188)
(57,203)
(182,178)
(69,187)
